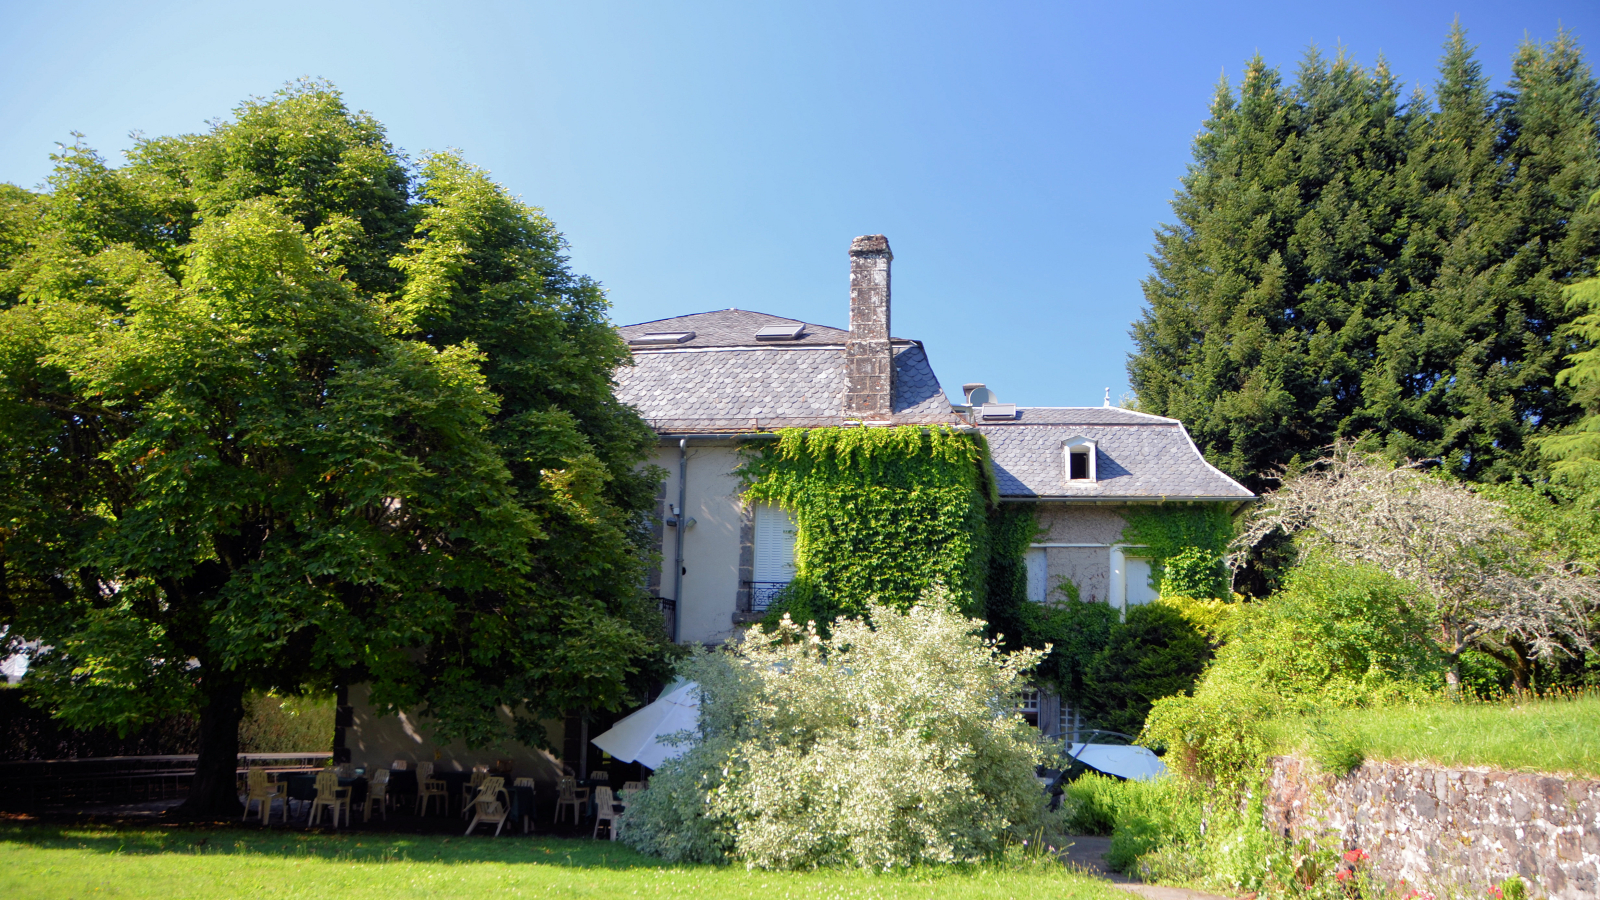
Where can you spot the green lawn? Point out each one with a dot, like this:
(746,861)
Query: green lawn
(38,861)
(1559,735)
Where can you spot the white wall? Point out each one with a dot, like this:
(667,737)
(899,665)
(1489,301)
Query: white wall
(710,546)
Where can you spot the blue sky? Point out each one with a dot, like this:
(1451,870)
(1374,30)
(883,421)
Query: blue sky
(702,156)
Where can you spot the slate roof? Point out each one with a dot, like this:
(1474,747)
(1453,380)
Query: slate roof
(1137,457)
(726,381)
(735,328)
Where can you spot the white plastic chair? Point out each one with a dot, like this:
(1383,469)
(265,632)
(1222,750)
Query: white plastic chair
(377,792)
(492,804)
(329,796)
(605,811)
(567,794)
(259,789)
(429,787)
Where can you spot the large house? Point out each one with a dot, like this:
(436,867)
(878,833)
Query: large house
(709,382)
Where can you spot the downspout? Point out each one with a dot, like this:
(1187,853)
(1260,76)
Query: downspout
(677,565)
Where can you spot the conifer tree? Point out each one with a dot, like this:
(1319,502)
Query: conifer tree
(1344,264)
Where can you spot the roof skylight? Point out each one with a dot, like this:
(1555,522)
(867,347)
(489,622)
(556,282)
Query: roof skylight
(662,337)
(782,332)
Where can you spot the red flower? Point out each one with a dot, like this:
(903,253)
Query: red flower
(1345,875)
(1355,856)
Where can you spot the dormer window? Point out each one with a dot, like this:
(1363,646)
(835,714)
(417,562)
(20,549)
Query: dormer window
(1080,459)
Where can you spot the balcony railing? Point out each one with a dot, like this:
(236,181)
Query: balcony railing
(762,593)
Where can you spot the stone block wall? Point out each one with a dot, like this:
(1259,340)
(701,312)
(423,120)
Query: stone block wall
(1449,830)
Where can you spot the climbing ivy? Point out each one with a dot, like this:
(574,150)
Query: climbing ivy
(881,513)
(1170,530)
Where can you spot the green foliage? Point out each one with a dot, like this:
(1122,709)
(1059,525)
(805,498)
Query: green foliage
(1336,750)
(1344,262)
(1197,534)
(1156,653)
(276,403)
(274,724)
(1197,572)
(1514,888)
(879,747)
(1335,636)
(882,515)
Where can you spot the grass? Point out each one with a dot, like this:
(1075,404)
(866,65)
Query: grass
(1556,735)
(40,861)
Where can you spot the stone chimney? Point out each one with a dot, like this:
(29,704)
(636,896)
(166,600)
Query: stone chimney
(868,358)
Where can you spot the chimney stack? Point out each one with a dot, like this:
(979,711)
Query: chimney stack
(868,358)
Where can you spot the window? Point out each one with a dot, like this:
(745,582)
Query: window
(1038,574)
(1139,591)
(1068,723)
(774,554)
(1080,459)
(1030,707)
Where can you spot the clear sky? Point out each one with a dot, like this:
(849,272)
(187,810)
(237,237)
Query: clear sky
(706,155)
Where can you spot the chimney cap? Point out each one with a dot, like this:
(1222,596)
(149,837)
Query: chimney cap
(870,243)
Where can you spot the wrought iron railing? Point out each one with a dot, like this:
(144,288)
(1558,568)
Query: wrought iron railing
(669,615)
(762,593)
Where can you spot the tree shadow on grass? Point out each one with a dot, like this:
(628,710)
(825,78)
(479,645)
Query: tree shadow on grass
(366,847)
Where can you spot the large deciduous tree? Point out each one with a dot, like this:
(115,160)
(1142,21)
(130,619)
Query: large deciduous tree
(280,411)
(1344,261)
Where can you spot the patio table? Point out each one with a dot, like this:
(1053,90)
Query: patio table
(303,787)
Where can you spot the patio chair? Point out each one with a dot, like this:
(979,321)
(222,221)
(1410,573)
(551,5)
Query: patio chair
(569,794)
(605,811)
(329,796)
(632,786)
(492,804)
(429,787)
(399,765)
(469,791)
(259,789)
(377,792)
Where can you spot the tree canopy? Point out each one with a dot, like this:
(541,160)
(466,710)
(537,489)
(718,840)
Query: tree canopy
(283,410)
(1346,261)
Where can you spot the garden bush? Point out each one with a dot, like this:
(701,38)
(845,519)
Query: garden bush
(879,746)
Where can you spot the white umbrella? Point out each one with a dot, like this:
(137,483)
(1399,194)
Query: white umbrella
(1133,763)
(637,738)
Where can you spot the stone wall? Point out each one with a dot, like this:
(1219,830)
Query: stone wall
(1449,829)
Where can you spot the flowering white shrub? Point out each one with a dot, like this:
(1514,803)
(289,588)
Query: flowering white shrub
(885,745)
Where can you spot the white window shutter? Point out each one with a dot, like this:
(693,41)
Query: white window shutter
(774,550)
(1038,574)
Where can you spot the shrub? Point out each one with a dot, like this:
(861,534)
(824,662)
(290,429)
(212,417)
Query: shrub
(1156,653)
(878,747)
(274,724)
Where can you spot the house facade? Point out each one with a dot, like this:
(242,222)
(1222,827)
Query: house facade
(711,383)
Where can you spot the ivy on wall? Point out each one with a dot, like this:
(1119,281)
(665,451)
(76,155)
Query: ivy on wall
(880,512)
(1199,534)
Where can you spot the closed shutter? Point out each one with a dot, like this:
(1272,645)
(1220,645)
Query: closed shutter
(1038,574)
(774,548)
(1138,586)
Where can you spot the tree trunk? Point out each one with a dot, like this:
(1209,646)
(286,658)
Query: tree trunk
(1452,675)
(214,792)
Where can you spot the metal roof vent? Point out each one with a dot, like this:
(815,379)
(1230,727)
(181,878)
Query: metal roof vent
(782,332)
(993,411)
(662,337)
